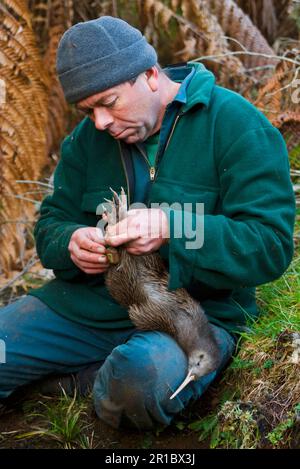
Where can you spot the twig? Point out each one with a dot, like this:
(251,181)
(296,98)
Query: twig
(258,54)
(23,222)
(236,41)
(42,191)
(286,86)
(32,261)
(266,110)
(49,185)
(27,199)
(115,8)
(258,69)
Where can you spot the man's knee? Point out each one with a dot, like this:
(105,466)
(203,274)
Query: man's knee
(145,360)
(137,378)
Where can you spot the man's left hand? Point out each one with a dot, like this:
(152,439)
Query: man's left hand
(143,231)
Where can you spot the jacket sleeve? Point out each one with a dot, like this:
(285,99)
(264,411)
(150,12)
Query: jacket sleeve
(251,241)
(60,213)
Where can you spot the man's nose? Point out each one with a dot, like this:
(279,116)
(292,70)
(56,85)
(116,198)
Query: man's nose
(102,118)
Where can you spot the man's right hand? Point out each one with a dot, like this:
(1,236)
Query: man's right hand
(87,250)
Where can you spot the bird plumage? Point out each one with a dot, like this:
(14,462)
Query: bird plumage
(140,284)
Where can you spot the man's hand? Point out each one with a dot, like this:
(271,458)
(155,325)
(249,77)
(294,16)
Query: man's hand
(143,231)
(87,250)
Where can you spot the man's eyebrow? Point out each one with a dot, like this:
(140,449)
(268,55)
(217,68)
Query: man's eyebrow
(99,102)
(81,108)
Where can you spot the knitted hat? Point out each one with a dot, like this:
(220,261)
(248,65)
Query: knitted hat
(96,55)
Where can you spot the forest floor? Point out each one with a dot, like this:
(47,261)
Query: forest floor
(57,422)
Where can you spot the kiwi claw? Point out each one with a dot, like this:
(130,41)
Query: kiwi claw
(112,255)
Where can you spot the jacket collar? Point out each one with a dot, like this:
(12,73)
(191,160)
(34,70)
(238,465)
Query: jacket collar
(199,90)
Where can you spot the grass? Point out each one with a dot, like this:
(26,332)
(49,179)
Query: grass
(264,409)
(62,420)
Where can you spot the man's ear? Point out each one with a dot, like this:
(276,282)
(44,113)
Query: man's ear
(152,78)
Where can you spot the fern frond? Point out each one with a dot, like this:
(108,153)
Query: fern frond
(23,122)
(236,24)
(274,96)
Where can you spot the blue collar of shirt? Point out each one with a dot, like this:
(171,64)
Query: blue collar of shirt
(181,95)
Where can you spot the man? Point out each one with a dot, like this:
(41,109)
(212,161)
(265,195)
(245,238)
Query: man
(170,137)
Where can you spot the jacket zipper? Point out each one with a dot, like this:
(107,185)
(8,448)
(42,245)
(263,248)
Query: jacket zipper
(126,175)
(172,131)
(155,170)
(152,169)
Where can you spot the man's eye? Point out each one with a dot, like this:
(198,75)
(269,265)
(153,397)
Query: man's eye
(111,103)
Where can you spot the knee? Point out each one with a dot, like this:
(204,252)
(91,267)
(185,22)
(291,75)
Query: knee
(136,379)
(146,360)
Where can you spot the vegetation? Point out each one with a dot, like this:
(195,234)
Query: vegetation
(62,421)
(253,47)
(263,410)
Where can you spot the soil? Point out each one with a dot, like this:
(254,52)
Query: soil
(15,422)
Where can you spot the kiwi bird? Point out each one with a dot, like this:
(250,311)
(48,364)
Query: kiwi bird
(140,284)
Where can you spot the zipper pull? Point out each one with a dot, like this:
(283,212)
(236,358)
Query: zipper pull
(152,173)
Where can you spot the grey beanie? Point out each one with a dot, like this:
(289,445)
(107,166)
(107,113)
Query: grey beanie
(95,55)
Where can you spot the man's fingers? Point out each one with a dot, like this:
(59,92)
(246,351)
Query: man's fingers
(124,231)
(94,271)
(139,248)
(88,267)
(92,240)
(139,243)
(85,256)
(91,267)
(90,245)
(117,240)
(96,234)
(134,251)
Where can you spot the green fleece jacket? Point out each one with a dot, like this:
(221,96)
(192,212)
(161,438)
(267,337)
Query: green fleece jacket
(222,152)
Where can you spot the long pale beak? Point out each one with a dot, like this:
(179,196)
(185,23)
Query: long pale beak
(190,377)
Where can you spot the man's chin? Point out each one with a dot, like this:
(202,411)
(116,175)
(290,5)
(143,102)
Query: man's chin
(133,138)
(131,135)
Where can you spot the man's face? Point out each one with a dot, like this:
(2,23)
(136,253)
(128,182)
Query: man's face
(130,111)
